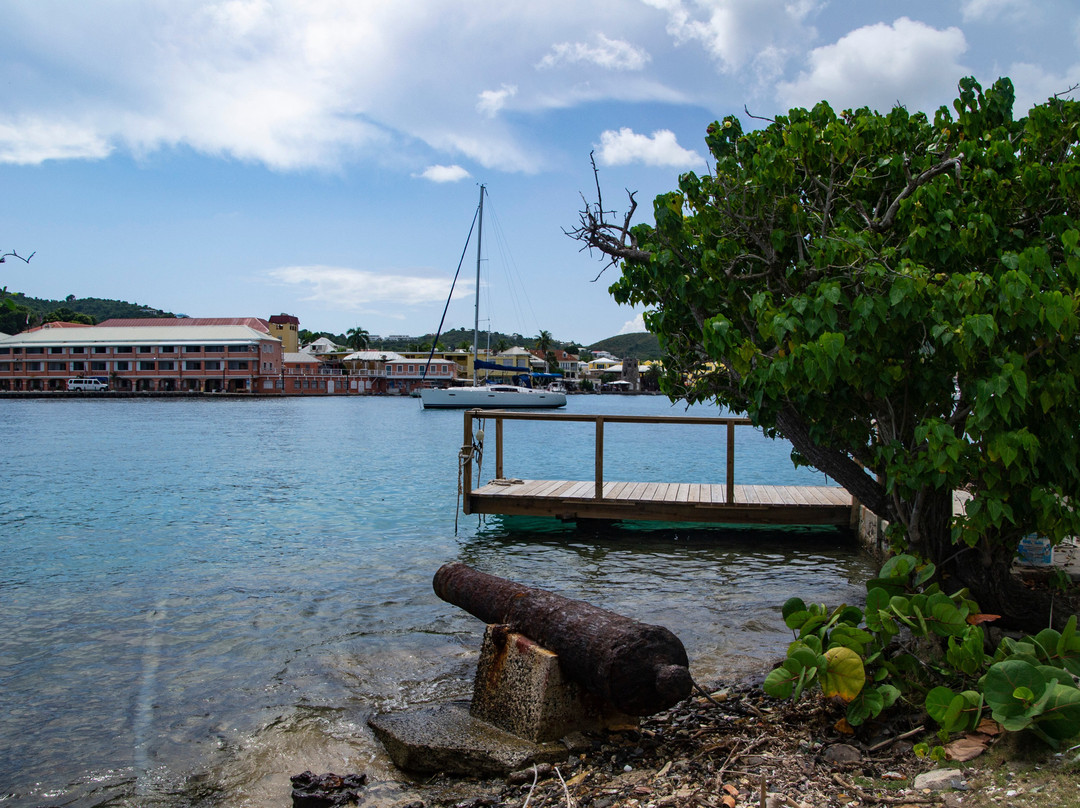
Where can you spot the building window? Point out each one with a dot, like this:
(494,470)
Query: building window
(35,350)
(236,364)
(240,348)
(193,366)
(123,365)
(124,349)
(60,365)
(33,366)
(101,350)
(145,349)
(166,365)
(168,349)
(5,367)
(78,349)
(5,351)
(192,349)
(213,366)
(147,365)
(56,350)
(99,366)
(214,349)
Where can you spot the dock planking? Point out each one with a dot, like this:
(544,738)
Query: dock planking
(726,503)
(668,502)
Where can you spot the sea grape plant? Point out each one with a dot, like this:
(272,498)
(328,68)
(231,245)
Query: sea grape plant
(913,642)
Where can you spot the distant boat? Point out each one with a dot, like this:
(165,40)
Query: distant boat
(490,396)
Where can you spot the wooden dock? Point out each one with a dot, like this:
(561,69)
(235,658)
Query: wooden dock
(725,503)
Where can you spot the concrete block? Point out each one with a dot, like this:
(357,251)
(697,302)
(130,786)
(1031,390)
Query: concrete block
(520,687)
(445,738)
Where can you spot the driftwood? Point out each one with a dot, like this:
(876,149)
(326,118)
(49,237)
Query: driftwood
(639,668)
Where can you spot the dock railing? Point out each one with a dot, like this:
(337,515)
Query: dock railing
(500,416)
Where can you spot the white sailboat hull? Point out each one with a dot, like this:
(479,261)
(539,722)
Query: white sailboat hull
(500,396)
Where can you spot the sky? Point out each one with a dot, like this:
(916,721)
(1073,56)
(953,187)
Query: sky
(323,158)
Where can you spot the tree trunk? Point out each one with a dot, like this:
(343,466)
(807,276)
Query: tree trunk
(985,570)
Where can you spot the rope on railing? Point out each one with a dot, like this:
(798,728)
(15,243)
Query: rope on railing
(466,454)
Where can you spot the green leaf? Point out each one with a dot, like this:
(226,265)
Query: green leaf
(844,675)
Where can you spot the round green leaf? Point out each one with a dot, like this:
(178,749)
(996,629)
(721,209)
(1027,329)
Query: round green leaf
(844,674)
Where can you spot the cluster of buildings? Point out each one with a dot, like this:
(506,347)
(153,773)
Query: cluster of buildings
(252,355)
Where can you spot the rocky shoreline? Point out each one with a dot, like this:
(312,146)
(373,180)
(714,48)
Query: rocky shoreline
(733,747)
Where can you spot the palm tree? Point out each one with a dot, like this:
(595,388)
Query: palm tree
(358,338)
(543,342)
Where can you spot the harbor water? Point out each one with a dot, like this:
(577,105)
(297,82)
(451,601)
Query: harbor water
(202,597)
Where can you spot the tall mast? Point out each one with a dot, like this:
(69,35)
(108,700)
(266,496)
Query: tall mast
(476,321)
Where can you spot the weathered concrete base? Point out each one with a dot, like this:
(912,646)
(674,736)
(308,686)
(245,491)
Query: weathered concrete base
(520,688)
(446,738)
(522,704)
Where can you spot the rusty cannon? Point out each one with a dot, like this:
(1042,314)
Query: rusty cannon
(639,668)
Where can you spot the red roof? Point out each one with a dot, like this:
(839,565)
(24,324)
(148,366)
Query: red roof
(285,319)
(251,322)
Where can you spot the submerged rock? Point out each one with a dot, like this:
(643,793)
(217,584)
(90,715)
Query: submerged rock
(326,790)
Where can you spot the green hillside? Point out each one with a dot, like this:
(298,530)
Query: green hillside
(33,311)
(640,346)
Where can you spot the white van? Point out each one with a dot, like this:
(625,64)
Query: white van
(87,385)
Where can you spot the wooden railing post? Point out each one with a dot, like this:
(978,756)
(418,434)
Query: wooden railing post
(730,462)
(465,459)
(498,448)
(599,474)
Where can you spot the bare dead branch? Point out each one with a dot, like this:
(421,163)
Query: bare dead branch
(13,254)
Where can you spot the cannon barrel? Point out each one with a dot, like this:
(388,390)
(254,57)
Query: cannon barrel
(639,668)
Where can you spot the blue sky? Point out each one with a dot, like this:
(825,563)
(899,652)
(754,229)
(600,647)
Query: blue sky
(254,157)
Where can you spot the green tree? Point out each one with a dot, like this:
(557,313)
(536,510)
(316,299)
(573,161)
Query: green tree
(543,342)
(502,345)
(898,297)
(357,338)
(66,315)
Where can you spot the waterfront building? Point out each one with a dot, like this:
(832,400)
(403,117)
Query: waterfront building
(403,375)
(169,355)
(287,329)
(367,370)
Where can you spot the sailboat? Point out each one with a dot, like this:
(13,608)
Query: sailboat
(489,396)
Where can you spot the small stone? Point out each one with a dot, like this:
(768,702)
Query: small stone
(939,780)
(541,772)
(842,753)
(627,768)
(577,742)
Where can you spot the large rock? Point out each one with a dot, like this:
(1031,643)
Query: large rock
(446,738)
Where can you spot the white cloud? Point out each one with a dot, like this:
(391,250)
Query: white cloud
(610,54)
(492,101)
(989,10)
(348,289)
(1034,85)
(659,149)
(34,140)
(634,326)
(760,34)
(452,173)
(881,65)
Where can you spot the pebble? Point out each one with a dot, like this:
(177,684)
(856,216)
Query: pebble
(842,753)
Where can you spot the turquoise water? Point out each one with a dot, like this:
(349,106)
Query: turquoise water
(202,597)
